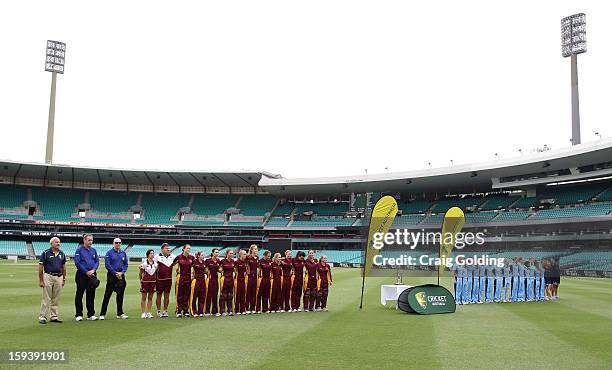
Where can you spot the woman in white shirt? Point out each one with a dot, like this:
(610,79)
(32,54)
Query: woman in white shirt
(148,277)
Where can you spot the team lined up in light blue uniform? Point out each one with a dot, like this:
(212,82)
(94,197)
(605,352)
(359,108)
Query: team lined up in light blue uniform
(516,281)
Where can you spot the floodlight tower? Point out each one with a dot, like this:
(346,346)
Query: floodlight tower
(573,42)
(54,63)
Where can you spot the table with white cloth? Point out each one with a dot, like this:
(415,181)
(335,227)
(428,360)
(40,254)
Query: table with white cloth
(391,292)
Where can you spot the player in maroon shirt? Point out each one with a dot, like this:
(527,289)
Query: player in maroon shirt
(298,280)
(325,281)
(241,268)
(165,261)
(226,301)
(212,292)
(286,281)
(263,291)
(148,279)
(183,281)
(276,298)
(310,293)
(198,286)
(251,293)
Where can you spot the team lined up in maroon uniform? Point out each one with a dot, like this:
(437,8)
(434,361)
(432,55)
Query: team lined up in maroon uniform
(243,285)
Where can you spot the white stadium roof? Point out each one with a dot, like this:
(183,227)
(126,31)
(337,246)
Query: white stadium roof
(584,161)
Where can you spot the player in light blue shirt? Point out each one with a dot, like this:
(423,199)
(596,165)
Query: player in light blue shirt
(515,278)
(490,282)
(522,276)
(542,281)
(537,274)
(507,272)
(475,283)
(458,271)
(499,279)
(467,284)
(530,279)
(482,275)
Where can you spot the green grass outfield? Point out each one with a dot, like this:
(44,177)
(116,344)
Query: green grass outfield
(573,332)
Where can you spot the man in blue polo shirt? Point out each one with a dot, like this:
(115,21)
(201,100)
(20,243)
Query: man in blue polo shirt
(116,263)
(86,260)
(51,277)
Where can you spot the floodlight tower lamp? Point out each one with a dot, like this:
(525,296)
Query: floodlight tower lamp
(573,42)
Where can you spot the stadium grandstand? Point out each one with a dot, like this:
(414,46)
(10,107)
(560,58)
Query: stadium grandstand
(555,203)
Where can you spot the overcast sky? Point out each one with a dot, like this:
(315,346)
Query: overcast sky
(301,88)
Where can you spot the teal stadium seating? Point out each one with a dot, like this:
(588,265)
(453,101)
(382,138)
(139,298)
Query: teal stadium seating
(213,204)
(256,205)
(408,220)
(442,205)
(572,195)
(414,206)
(57,203)
(606,195)
(322,209)
(526,202)
(479,217)
(159,208)
(244,223)
(511,216)
(587,210)
(13,248)
(111,201)
(284,209)
(277,221)
(496,202)
(324,222)
(12,196)
(204,222)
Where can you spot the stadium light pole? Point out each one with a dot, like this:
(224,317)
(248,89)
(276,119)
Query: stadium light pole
(54,63)
(573,42)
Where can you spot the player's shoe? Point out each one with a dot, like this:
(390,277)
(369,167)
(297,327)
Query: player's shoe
(159,313)
(92,318)
(101,318)
(179,315)
(230,314)
(223,314)
(164,314)
(143,315)
(325,309)
(186,315)
(217,314)
(248,312)
(201,315)
(79,318)
(122,316)
(238,313)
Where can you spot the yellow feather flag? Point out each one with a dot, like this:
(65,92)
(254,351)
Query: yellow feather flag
(383,215)
(454,219)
